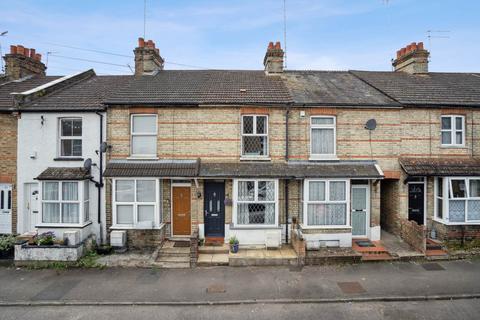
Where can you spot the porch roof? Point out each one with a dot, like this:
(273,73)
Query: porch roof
(440,167)
(149,168)
(64,173)
(293,169)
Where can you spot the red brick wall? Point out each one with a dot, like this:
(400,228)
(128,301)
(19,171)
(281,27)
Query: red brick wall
(8,158)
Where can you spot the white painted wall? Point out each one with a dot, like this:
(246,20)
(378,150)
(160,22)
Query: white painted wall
(42,140)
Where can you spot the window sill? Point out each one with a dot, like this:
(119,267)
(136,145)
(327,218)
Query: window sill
(456,223)
(324,227)
(323,158)
(454,147)
(64,225)
(142,158)
(125,227)
(254,227)
(254,158)
(68,159)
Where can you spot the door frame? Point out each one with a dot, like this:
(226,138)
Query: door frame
(367,219)
(26,197)
(10,188)
(424,182)
(222,182)
(174,184)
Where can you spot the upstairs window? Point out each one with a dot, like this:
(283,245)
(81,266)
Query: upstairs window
(144,135)
(255,136)
(70,137)
(453,131)
(322,137)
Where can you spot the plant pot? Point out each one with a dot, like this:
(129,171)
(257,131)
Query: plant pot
(8,254)
(234,248)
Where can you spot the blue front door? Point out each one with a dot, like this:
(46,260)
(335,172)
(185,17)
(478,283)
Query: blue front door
(214,205)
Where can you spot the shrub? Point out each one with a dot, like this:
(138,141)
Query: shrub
(7,243)
(46,239)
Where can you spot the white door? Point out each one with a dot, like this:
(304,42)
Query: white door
(360,210)
(31,205)
(5,208)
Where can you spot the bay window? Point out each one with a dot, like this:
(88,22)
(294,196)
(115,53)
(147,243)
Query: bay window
(255,202)
(136,203)
(144,135)
(457,199)
(254,135)
(65,202)
(322,137)
(326,203)
(453,131)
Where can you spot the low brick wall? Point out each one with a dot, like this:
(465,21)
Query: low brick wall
(194,238)
(413,234)
(456,233)
(299,246)
(145,239)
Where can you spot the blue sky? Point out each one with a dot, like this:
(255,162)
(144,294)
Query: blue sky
(233,34)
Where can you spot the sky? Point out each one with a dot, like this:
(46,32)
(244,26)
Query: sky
(234,34)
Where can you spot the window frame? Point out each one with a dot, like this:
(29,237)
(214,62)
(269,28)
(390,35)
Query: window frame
(80,201)
(453,131)
(236,202)
(306,202)
(143,134)
(61,137)
(333,126)
(448,195)
(255,134)
(157,208)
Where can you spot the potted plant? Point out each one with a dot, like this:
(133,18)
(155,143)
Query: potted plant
(234,244)
(46,239)
(7,244)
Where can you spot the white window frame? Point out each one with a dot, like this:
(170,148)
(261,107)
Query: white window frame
(158,212)
(306,202)
(80,201)
(143,134)
(61,137)
(255,134)
(453,131)
(448,195)
(236,202)
(320,156)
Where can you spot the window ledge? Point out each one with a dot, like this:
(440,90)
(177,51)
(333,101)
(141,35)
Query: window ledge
(454,147)
(324,158)
(143,158)
(254,158)
(324,227)
(124,227)
(68,159)
(447,223)
(252,227)
(64,225)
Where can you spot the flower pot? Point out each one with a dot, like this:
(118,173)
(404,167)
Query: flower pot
(234,248)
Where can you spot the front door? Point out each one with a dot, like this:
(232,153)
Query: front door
(5,208)
(31,205)
(416,202)
(181,218)
(360,214)
(214,213)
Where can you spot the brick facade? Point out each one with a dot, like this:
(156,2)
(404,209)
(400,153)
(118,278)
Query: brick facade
(8,159)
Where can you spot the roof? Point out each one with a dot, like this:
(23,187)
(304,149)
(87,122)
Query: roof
(333,88)
(64,173)
(83,95)
(27,83)
(293,169)
(147,168)
(440,167)
(197,87)
(431,89)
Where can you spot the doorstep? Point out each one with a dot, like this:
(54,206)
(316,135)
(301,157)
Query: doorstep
(213,255)
(263,257)
(371,250)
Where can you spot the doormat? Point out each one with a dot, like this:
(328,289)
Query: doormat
(351,287)
(182,244)
(364,243)
(432,266)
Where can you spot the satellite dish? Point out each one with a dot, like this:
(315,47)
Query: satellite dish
(371,124)
(103,147)
(87,165)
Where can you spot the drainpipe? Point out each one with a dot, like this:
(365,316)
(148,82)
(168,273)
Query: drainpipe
(100,178)
(287,112)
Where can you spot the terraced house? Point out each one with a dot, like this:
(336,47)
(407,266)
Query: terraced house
(330,159)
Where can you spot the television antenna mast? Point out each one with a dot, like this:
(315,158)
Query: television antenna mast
(144,18)
(285,32)
(436,34)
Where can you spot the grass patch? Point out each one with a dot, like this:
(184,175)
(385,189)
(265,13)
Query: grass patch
(89,260)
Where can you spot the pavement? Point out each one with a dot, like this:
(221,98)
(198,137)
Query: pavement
(367,282)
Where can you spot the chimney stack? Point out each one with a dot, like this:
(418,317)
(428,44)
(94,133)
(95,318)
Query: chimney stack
(273,60)
(22,62)
(412,59)
(147,58)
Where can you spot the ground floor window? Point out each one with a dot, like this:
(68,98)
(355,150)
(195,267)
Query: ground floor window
(65,202)
(326,202)
(136,203)
(457,199)
(256,202)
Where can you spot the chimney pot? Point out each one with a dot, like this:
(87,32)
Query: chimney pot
(13,49)
(38,57)
(420,46)
(141,42)
(150,44)
(32,53)
(277,45)
(399,53)
(20,49)
(26,53)
(270,45)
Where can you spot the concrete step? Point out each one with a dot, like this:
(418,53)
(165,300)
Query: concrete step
(214,249)
(174,251)
(208,260)
(243,262)
(162,258)
(172,265)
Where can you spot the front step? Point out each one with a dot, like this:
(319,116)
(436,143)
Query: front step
(214,241)
(170,256)
(207,249)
